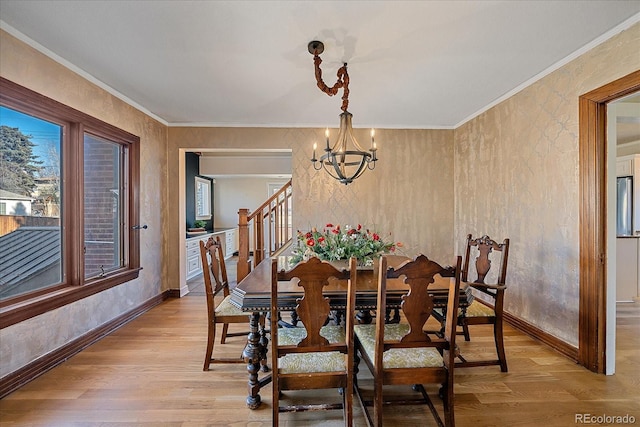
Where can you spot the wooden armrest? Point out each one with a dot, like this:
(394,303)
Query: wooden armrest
(481,286)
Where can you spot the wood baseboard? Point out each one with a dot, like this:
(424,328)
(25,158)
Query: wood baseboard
(173,293)
(538,334)
(31,371)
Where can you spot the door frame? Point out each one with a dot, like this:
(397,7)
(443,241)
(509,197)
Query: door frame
(593,217)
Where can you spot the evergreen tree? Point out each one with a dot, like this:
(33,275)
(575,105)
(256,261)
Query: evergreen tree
(18,165)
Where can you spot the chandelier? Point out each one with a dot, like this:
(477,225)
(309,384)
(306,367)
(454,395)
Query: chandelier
(346,160)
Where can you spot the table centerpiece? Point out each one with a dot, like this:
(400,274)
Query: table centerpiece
(334,243)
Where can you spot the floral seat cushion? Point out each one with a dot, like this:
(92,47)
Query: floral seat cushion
(292,336)
(329,361)
(225,308)
(475,309)
(397,357)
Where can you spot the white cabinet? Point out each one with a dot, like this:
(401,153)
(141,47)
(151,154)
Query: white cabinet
(627,258)
(230,242)
(228,238)
(194,263)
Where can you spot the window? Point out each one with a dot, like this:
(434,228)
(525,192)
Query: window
(69,195)
(203,198)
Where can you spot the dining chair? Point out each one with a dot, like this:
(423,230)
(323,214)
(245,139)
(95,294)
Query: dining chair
(403,353)
(216,286)
(314,355)
(487,307)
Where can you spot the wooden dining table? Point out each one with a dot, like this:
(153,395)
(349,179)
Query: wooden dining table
(253,295)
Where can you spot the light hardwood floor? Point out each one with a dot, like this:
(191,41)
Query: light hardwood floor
(149,373)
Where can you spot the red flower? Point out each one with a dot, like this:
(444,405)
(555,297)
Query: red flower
(311,242)
(308,235)
(351,232)
(376,237)
(320,239)
(359,227)
(335,231)
(329,225)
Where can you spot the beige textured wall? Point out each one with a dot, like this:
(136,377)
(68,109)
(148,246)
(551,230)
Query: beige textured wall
(409,194)
(517,176)
(26,341)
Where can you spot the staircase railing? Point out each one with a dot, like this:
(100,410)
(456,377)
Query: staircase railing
(265,230)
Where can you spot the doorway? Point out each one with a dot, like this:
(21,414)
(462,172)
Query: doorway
(595,320)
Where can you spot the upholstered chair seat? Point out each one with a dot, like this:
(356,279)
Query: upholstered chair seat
(225,308)
(330,361)
(420,357)
(478,309)
(292,336)
(475,309)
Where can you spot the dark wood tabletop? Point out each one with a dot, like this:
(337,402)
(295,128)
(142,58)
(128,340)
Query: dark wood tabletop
(252,294)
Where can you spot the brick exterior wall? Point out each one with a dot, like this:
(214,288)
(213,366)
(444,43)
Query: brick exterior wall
(101,206)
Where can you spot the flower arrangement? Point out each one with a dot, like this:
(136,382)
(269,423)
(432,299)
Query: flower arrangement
(334,243)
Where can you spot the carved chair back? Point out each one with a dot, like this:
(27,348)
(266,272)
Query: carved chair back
(214,272)
(417,305)
(485,250)
(323,358)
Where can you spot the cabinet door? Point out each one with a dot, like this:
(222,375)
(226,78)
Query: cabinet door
(626,269)
(194,262)
(230,243)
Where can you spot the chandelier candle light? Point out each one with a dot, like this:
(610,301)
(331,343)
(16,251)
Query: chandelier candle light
(346,160)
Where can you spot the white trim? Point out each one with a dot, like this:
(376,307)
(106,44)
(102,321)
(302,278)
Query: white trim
(599,40)
(603,38)
(37,46)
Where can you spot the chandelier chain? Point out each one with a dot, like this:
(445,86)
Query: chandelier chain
(341,83)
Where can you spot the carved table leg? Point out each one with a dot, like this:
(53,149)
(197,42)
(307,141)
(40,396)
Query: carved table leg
(264,343)
(364,317)
(252,355)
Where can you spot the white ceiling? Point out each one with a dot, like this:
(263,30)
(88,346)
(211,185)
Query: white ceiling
(412,64)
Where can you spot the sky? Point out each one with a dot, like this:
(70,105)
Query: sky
(45,135)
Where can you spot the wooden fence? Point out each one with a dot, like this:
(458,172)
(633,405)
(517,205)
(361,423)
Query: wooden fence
(9,223)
